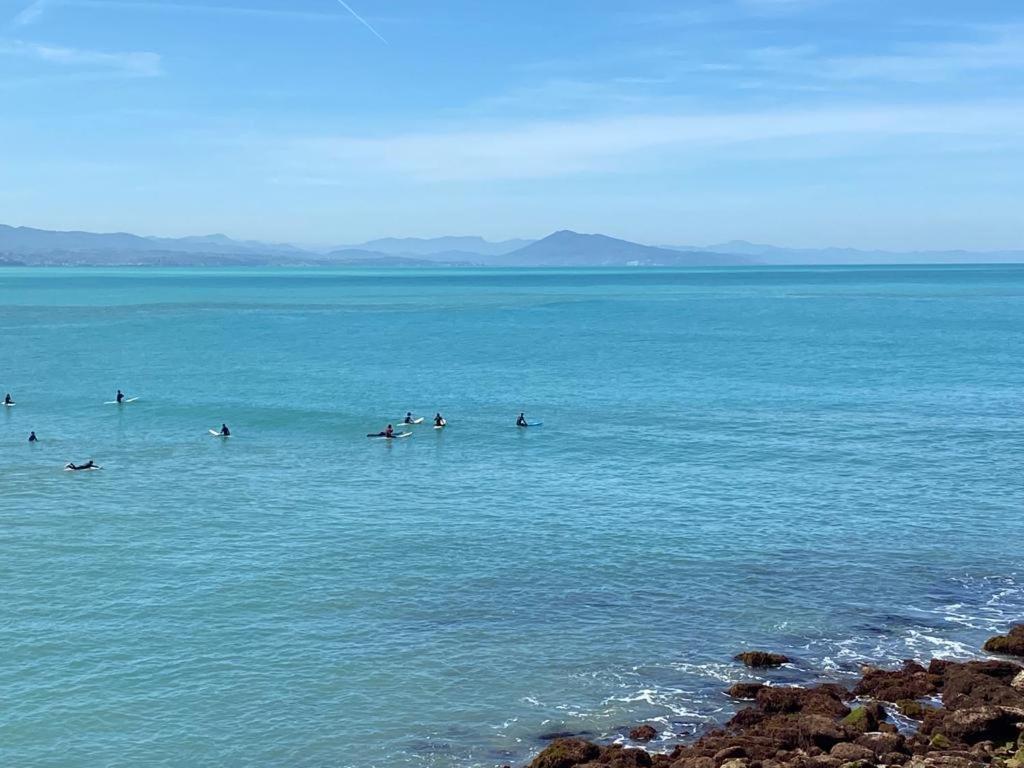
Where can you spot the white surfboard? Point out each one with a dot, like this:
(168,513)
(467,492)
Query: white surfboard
(216,433)
(9,405)
(123,402)
(412,423)
(396,436)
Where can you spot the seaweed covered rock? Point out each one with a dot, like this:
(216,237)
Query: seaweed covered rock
(970,725)
(864,719)
(745,691)
(826,699)
(566,753)
(644,733)
(761,659)
(1010,644)
(976,684)
(912,681)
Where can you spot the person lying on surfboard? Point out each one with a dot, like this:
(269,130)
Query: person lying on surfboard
(224,430)
(521,421)
(90,464)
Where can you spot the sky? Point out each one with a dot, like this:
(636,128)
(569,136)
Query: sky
(895,124)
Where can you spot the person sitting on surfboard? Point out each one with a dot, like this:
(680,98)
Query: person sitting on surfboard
(32,437)
(439,421)
(120,397)
(389,432)
(408,418)
(521,421)
(225,431)
(7,399)
(90,464)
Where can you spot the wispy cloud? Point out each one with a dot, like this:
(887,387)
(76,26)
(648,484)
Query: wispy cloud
(31,12)
(129,64)
(536,150)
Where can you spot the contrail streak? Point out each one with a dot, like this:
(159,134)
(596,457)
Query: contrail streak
(363,21)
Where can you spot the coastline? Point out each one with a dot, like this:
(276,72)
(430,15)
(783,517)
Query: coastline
(948,714)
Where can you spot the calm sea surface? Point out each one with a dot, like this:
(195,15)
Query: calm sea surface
(825,462)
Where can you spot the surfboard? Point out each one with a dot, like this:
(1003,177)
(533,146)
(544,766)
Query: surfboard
(412,423)
(531,424)
(123,402)
(88,469)
(216,433)
(9,405)
(396,436)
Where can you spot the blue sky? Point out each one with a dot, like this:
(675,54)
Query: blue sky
(871,123)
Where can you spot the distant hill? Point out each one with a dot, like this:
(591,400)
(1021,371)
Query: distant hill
(358,257)
(26,246)
(25,241)
(572,249)
(417,246)
(771,254)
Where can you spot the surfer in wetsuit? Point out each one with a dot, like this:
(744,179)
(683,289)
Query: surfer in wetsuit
(439,421)
(120,397)
(225,431)
(8,400)
(389,432)
(408,418)
(521,421)
(90,464)
(32,437)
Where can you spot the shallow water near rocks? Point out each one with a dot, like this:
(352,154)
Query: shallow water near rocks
(824,462)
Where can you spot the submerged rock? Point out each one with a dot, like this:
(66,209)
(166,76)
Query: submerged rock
(761,659)
(643,733)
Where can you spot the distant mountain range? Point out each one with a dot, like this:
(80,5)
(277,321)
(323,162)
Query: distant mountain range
(27,246)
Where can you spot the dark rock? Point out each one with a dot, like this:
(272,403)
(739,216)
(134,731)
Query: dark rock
(893,758)
(694,762)
(980,683)
(617,756)
(862,720)
(912,708)
(848,752)
(729,753)
(821,700)
(566,753)
(1011,644)
(973,724)
(746,691)
(910,682)
(746,718)
(882,743)
(644,733)
(760,659)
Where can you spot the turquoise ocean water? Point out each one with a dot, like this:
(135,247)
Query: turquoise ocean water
(820,461)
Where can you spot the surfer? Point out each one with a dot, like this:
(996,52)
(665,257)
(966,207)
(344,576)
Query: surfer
(224,431)
(32,437)
(90,464)
(408,418)
(439,421)
(120,397)
(521,421)
(389,432)
(8,400)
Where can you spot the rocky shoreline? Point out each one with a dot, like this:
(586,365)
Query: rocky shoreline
(949,714)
